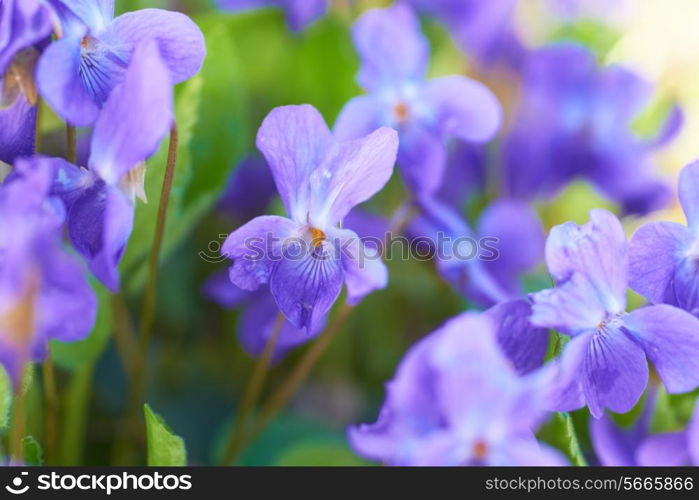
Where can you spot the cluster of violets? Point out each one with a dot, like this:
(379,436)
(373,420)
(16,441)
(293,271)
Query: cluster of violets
(113,78)
(475,391)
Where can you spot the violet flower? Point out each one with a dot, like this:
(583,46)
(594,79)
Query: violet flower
(43,291)
(299,13)
(394,56)
(100,199)
(664,256)
(77,74)
(456,400)
(307,257)
(484,264)
(604,364)
(574,122)
(638,446)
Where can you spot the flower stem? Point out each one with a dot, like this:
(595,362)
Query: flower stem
(574,449)
(51,410)
(72,144)
(138,366)
(74,422)
(19,414)
(252,392)
(279,398)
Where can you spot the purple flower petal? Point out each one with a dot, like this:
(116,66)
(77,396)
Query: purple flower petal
(598,250)
(391,46)
(422,159)
(670,338)
(564,391)
(306,282)
(219,289)
(354,172)
(465,108)
(524,344)
(180,41)
(654,252)
(60,83)
(294,140)
(614,447)
(359,117)
(615,372)
(17,129)
(23,23)
(364,269)
(96,14)
(254,249)
(135,118)
(664,450)
(689,193)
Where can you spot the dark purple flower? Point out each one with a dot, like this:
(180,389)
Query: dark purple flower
(258,317)
(604,364)
(43,291)
(574,121)
(299,13)
(394,56)
(484,264)
(250,189)
(77,74)
(664,256)
(638,446)
(306,258)
(23,24)
(456,400)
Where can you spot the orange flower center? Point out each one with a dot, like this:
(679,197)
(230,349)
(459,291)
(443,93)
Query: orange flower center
(317,237)
(401,112)
(480,450)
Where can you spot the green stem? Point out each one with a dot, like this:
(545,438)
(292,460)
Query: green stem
(72,144)
(51,410)
(73,430)
(139,365)
(574,449)
(252,392)
(279,398)
(19,413)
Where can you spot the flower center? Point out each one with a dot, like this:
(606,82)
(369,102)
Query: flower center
(401,112)
(85,42)
(480,450)
(317,237)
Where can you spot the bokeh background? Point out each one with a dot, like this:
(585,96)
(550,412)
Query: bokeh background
(197,368)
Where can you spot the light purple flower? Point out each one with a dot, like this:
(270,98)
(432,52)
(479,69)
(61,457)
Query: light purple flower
(306,258)
(394,56)
(299,13)
(43,291)
(77,74)
(664,256)
(574,122)
(456,400)
(23,24)
(484,264)
(100,199)
(604,364)
(638,446)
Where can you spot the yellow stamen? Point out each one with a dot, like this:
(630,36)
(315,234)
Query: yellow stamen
(401,112)
(317,237)
(480,450)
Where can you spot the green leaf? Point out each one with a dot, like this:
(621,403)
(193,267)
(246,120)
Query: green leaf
(213,135)
(75,355)
(5,399)
(319,454)
(31,451)
(164,447)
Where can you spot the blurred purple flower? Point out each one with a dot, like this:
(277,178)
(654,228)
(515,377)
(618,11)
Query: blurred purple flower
(250,189)
(394,56)
(574,121)
(77,74)
(485,264)
(618,447)
(484,29)
(299,13)
(258,317)
(43,291)
(307,257)
(604,364)
(664,256)
(456,400)
(23,24)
